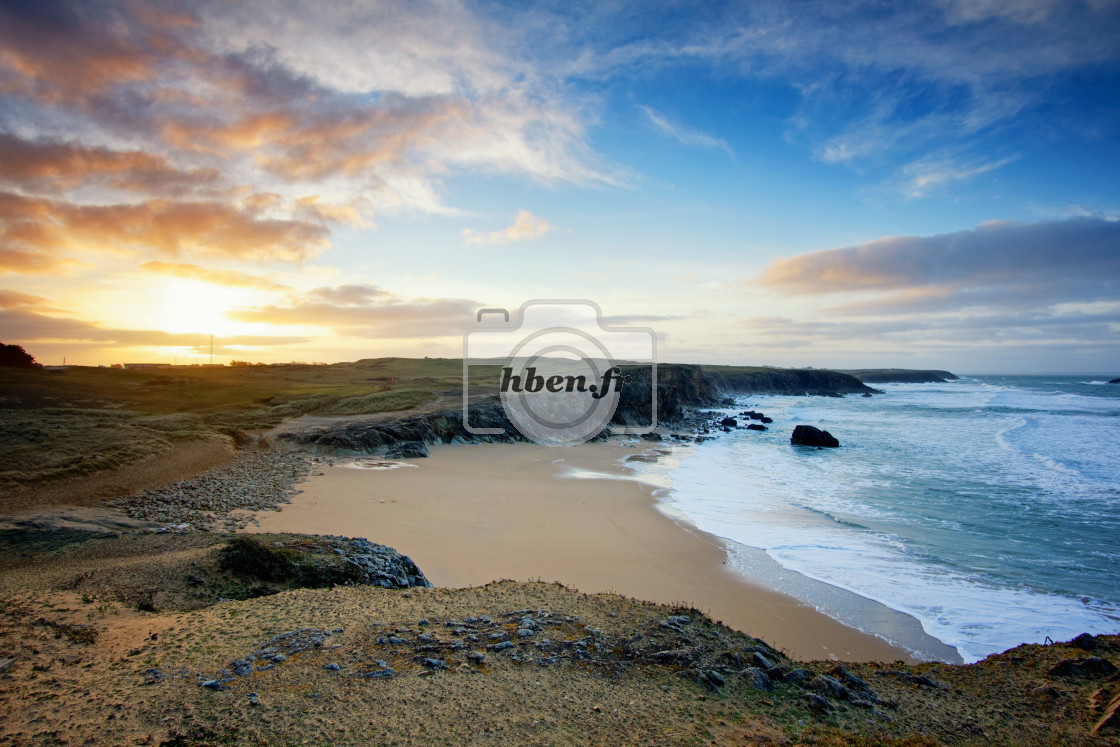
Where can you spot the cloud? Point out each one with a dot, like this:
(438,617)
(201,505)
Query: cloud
(926,175)
(685,135)
(1031,263)
(875,82)
(348,295)
(363,310)
(525,226)
(35,231)
(25,326)
(50,166)
(10,299)
(215,277)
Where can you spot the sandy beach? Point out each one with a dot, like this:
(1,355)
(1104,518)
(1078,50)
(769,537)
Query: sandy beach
(471,514)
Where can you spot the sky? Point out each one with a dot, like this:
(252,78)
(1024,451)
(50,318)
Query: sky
(831,184)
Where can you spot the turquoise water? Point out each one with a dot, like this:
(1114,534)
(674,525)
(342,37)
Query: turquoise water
(987,508)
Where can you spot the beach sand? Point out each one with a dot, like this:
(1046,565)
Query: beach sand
(471,514)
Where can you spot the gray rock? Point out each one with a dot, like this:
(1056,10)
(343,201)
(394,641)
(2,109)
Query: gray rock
(333,667)
(757,678)
(816,703)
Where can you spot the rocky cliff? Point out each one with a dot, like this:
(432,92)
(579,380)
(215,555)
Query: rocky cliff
(679,388)
(901,376)
(793,381)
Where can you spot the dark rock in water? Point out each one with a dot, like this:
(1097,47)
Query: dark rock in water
(766,421)
(1085,642)
(756,427)
(1094,666)
(1114,381)
(807,435)
(758,679)
(729,422)
(407,450)
(651,436)
(866,394)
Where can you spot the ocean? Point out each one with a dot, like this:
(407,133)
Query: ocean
(988,509)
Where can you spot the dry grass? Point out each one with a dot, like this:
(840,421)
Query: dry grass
(131,677)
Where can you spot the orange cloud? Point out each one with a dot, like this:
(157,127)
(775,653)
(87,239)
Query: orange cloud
(369,311)
(215,277)
(33,227)
(47,165)
(55,52)
(24,326)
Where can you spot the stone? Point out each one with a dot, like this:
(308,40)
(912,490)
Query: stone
(816,703)
(407,450)
(1094,666)
(829,686)
(756,427)
(807,435)
(729,422)
(1085,641)
(757,678)
(332,667)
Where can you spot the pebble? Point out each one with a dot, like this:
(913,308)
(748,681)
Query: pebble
(253,481)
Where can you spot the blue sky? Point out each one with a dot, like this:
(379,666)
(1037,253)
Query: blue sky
(785,183)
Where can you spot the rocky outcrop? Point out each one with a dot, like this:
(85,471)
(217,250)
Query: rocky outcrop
(1115,381)
(790,381)
(807,435)
(901,376)
(679,386)
(320,561)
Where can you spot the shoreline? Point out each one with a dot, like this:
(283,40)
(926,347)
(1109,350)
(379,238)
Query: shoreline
(520,513)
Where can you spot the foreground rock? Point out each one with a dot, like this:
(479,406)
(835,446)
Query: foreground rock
(318,561)
(807,435)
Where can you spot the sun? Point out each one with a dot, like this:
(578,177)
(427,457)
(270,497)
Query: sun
(188,306)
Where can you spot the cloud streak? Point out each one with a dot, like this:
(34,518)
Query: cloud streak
(1034,263)
(524,227)
(368,311)
(683,134)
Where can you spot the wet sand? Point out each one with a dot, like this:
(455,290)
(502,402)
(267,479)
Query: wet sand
(471,514)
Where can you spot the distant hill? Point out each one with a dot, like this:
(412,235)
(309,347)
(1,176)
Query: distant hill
(900,376)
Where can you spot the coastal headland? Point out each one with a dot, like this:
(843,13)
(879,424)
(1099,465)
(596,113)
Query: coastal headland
(124,622)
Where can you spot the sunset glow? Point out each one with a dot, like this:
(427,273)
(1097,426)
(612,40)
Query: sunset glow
(753,180)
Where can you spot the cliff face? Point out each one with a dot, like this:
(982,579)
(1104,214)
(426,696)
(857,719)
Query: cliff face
(679,387)
(784,381)
(901,376)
